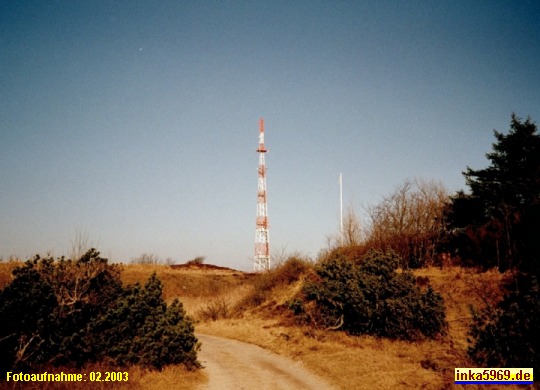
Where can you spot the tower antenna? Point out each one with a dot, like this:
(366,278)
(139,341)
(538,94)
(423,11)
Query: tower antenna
(262,248)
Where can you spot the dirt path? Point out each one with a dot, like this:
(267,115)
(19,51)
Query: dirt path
(235,365)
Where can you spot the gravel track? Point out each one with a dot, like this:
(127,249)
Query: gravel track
(235,365)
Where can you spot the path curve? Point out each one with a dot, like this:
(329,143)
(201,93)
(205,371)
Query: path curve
(235,365)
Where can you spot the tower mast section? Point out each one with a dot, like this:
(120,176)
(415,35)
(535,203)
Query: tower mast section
(262,248)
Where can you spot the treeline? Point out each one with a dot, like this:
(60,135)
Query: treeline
(496,223)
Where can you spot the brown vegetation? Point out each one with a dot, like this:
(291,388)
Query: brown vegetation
(254,308)
(410,222)
(139,379)
(6,267)
(195,285)
(363,362)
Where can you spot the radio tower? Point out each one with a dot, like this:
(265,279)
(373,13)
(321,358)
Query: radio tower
(262,249)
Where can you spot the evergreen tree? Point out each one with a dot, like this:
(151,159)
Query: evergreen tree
(507,335)
(496,224)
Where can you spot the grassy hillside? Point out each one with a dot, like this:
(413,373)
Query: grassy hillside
(139,378)
(253,308)
(363,362)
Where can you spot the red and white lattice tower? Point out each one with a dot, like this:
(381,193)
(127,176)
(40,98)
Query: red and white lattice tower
(262,248)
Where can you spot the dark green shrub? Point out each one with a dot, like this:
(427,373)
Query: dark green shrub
(371,297)
(296,305)
(66,312)
(28,310)
(507,335)
(48,305)
(140,329)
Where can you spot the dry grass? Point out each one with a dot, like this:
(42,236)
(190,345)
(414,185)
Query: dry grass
(6,267)
(367,362)
(347,361)
(464,290)
(139,379)
(195,287)
(173,377)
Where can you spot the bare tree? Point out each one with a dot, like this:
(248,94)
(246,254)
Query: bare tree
(279,256)
(169,261)
(79,244)
(352,231)
(410,221)
(146,258)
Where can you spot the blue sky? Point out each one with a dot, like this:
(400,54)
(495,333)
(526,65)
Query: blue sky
(136,122)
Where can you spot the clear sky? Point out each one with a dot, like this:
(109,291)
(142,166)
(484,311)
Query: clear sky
(136,122)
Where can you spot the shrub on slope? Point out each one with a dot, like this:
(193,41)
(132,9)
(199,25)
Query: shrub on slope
(66,312)
(370,296)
